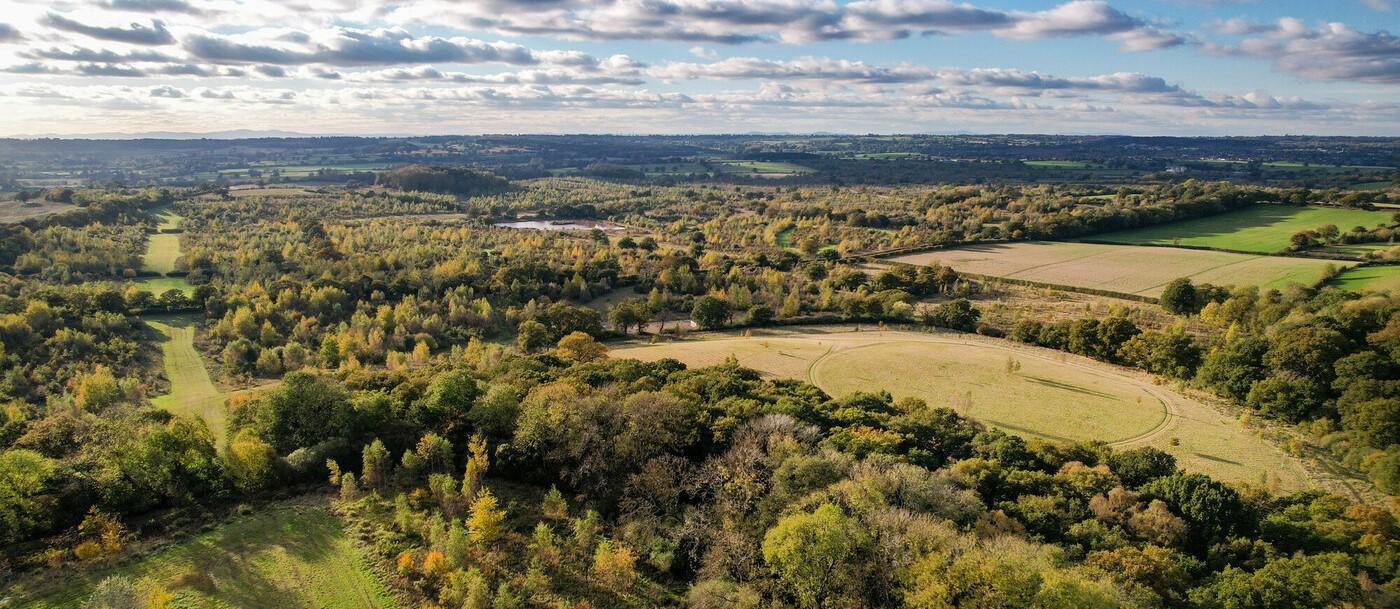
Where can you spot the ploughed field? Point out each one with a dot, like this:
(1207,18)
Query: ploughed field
(1025,390)
(1125,269)
(1265,229)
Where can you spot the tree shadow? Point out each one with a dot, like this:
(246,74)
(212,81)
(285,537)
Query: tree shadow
(1068,387)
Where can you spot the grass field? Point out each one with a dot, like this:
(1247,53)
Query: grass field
(1380,278)
(1054,395)
(192,391)
(167,219)
(288,555)
(161,252)
(1263,228)
(769,168)
(158,285)
(1127,269)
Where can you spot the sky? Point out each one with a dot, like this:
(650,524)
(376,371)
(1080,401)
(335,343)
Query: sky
(419,67)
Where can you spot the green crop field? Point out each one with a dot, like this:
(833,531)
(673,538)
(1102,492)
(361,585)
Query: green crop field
(289,555)
(1053,395)
(1379,278)
(161,252)
(1264,229)
(1127,269)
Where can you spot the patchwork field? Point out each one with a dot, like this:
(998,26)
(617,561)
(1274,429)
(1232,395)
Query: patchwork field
(1053,395)
(1264,229)
(1140,270)
(291,555)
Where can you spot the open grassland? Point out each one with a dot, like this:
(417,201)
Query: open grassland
(161,252)
(1264,229)
(1140,270)
(1379,278)
(1053,395)
(288,555)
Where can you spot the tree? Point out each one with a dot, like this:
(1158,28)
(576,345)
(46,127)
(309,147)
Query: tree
(580,347)
(531,336)
(24,507)
(956,314)
(1180,298)
(760,315)
(376,465)
(98,390)
(1138,466)
(487,520)
(710,312)
(1212,509)
(449,397)
(628,313)
(304,410)
(249,461)
(614,565)
(1301,582)
(812,552)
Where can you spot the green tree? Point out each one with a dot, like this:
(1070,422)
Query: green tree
(1301,582)
(812,554)
(531,336)
(710,312)
(1180,298)
(304,410)
(24,506)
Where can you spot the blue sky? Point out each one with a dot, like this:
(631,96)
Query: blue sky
(1178,67)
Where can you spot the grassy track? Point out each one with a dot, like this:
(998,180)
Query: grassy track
(1141,270)
(192,392)
(291,555)
(1264,229)
(1054,395)
(161,252)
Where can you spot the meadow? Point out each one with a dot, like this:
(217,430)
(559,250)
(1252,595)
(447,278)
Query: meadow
(1379,278)
(1125,269)
(1264,229)
(289,555)
(1053,395)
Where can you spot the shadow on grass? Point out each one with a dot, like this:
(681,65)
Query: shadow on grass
(1068,387)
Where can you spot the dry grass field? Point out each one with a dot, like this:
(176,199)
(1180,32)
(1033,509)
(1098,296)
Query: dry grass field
(1053,395)
(1128,269)
(18,211)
